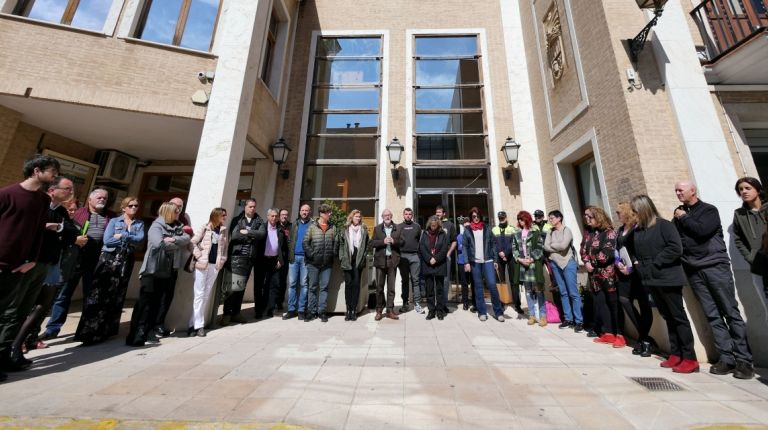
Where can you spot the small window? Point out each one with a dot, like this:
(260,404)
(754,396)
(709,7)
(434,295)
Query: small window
(87,14)
(269,54)
(185,23)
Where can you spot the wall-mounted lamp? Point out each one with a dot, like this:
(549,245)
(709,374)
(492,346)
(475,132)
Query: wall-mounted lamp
(511,151)
(395,151)
(279,154)
(638,42)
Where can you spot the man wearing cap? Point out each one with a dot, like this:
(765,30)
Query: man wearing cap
(503,233)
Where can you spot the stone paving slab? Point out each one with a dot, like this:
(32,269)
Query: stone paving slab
(459,373)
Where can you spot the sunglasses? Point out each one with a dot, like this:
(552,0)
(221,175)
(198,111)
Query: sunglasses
(133,206)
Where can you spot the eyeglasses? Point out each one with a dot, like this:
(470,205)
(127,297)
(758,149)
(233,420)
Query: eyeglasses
(588,216)
(65,188)
(133,206)
(476,216)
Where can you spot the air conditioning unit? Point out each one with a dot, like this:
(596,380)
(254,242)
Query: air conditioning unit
(115,166)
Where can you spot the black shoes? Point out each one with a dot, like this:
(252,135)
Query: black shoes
(431,315)
(301,316)
(472,309)
(191,331)
(403,309)
(441,315)
(578,328)
(161,331)
(744,370)
(465,306)
(152,339)
(323,317)
(518,309)
(592,333)
(290,314)
(16,362)
(566,324)
(309,317)
(643,349)
(722,368)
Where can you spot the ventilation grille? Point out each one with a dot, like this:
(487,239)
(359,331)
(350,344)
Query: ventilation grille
(657,384)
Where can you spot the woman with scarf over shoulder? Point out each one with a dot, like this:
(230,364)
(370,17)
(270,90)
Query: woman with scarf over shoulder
(165,240)
(528,251)
(480,253)
(353,248)
(103,307)
(433,250)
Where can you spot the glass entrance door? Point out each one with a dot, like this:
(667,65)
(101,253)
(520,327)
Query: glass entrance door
(456,203)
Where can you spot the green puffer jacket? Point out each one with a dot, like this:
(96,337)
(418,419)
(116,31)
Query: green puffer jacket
(345,256)
(320,247)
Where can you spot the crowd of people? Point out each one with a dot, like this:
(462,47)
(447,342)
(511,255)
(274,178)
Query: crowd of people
(50,246)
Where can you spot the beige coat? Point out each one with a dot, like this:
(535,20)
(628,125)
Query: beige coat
(202,242)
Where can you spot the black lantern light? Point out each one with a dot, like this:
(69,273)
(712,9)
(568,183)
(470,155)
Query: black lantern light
(638,42)
(395,151)
(511,150)
(279,154)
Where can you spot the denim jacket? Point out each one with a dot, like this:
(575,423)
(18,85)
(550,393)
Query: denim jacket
(130,236)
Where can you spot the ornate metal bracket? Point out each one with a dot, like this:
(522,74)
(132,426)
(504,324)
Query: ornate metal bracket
(637,43)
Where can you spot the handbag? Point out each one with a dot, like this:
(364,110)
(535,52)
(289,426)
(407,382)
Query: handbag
(189,266)
(163,263)
(553,315)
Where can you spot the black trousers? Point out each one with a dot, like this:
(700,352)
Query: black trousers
(283,284)
(714,288)
(607,306)
(144,316)
(435,296)
(271,287)
(352,286)
(167,291)
(669,302)
(631,289)
(265,285)
(467,292)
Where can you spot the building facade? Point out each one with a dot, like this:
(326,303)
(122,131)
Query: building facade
(186,97)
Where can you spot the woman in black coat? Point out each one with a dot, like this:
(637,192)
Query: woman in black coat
(657,250)
(433,249)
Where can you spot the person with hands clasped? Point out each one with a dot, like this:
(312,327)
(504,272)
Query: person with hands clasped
(433,249)
(528,252)
(209,254)
(480,252)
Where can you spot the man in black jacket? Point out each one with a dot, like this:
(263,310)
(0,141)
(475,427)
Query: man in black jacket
(410,263)
(386,245)
(248,232)
(273,260)
(708,268)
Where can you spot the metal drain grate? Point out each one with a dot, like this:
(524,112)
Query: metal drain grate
(657,384)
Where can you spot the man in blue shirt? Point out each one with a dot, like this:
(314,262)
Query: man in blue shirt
(297,266)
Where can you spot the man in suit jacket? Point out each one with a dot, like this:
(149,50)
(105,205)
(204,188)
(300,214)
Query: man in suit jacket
(386,242)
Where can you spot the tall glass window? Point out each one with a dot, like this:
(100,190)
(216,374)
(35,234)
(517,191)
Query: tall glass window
(344,123)
(448,99)
(186,23)
(87,14)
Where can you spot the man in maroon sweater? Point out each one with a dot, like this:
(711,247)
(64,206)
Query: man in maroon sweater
(23,213)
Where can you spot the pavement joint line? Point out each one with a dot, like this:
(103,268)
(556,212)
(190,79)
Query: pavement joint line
(63,423)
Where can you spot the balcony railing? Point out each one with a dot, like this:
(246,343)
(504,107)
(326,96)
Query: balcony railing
(727,24)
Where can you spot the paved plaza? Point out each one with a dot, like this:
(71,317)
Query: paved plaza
(411,373)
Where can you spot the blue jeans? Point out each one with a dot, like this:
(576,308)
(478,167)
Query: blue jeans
(297,278)
(536,306)
(322,276)
(569,291)
(480,272)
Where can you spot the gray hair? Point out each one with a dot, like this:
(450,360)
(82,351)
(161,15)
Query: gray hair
(98,190)
(276,211)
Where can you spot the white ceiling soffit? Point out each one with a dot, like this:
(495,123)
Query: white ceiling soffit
(145,136)
(746,65)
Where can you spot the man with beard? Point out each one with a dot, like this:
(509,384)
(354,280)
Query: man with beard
(23,211)
(93,217)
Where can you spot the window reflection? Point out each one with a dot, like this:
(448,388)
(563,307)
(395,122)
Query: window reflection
(87,14)
(450,147)
(346,98)
(449,123)
(186,23)
(448,98)
(452,46)
(339,181)
(347,72)
(447,72)
(345,123)
(348,47)
(341,147)
(201,20)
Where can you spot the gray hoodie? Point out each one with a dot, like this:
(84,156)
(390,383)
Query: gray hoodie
(157,232)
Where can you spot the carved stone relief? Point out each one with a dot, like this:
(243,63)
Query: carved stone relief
(553,42)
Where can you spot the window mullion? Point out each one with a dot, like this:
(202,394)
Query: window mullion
(69,12)
(183,14)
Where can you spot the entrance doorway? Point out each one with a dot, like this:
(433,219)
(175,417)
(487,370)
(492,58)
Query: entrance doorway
(457,202)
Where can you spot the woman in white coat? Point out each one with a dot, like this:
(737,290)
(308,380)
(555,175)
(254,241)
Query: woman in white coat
(209,254)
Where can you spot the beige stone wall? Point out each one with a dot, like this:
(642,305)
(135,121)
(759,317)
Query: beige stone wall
(397,16)
(636,131)
(84,68)
(264,122)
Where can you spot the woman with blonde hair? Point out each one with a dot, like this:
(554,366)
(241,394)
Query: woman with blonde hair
(209,255)
(165,240)
(629,286)
(103,306)
(353,247)
(656,252)
(599,257)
